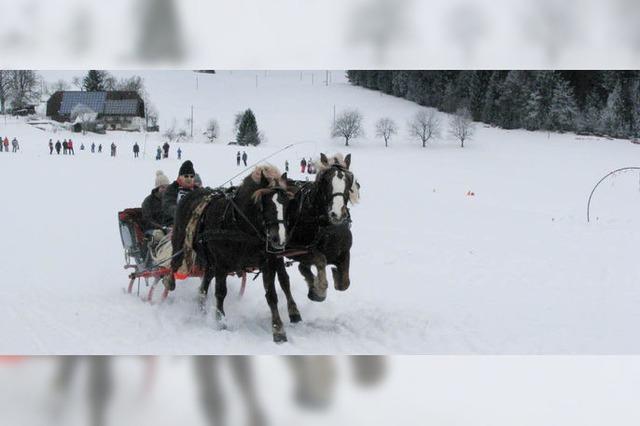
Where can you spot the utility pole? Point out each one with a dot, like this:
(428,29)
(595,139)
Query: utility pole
(191,121)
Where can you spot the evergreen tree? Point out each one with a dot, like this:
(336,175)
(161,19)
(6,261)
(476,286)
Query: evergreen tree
(399,83)
(478,82)
(533,117)
(544,84)
(611,120)
(513,100)
(385,81)
(414,87)
(490,109)
(372,80)
(94,81)
(589,120)
(564,110)
(248,130)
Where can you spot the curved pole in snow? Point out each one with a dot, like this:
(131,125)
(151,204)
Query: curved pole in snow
(623,169)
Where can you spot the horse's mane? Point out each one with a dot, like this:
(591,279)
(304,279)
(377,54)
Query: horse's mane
(253,182)
(337,158)
(270,172)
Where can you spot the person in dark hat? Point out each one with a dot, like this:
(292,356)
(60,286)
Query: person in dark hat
(178,189)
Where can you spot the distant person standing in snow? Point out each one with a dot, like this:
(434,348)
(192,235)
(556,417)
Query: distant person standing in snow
(303,165)
(50,147)
(286,166)
(1,144)
(70,148)
(244,158)
(6,144)
(179,154)
(93,147)
(65,147)
(99,148)
(238,158)
(15,145)
(158,154)
(113,149)
(136,150)
(58,147)
(165,147)
(82,146)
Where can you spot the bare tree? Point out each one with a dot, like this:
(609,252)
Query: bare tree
(348,125)
(77,82)
(461,127)
(4,88)
(23,85)
(60,85)
(213,130)
(425,126)
(151,114)
(171,134)
(385,128)
(182,134)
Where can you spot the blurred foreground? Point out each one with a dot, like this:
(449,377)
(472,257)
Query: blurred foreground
(320,390)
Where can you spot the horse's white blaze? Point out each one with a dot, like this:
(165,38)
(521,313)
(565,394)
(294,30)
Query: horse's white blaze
(280,213)
(337,203)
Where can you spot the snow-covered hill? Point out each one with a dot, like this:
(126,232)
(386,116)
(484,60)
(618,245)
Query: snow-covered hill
(513,269)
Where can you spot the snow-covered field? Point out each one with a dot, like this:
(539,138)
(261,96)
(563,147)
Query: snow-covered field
(514,269)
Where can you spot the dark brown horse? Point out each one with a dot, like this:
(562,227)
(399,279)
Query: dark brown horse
(242,230)
(319,222)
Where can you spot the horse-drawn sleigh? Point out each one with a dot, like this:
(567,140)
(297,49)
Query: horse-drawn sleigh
(255,227)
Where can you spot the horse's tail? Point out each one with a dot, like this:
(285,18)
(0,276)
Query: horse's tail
(185,225)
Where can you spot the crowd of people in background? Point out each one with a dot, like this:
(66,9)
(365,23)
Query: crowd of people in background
(4,144)
(66,147)
(306,166)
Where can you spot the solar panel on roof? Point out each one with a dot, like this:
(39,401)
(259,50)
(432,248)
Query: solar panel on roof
(94,100)
(121,107)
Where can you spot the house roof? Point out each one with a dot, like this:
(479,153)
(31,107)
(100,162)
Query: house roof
(105,103)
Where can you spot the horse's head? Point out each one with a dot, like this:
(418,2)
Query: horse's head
(337,186)
(272,200)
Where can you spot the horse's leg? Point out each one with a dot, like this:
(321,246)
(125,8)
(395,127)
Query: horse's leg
(204,288)
(317,285)
(244,375)
(305,270)
(221,293)
(100,388)
(341,279)
(268,279)
(314,379)
(211,395)
(283,278)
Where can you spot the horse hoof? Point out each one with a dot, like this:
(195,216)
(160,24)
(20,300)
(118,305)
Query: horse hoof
(312,296)
(295,318)
(279,337)
(221,320)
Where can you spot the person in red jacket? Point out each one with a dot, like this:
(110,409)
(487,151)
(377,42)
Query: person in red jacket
(6,144)
(70,148)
